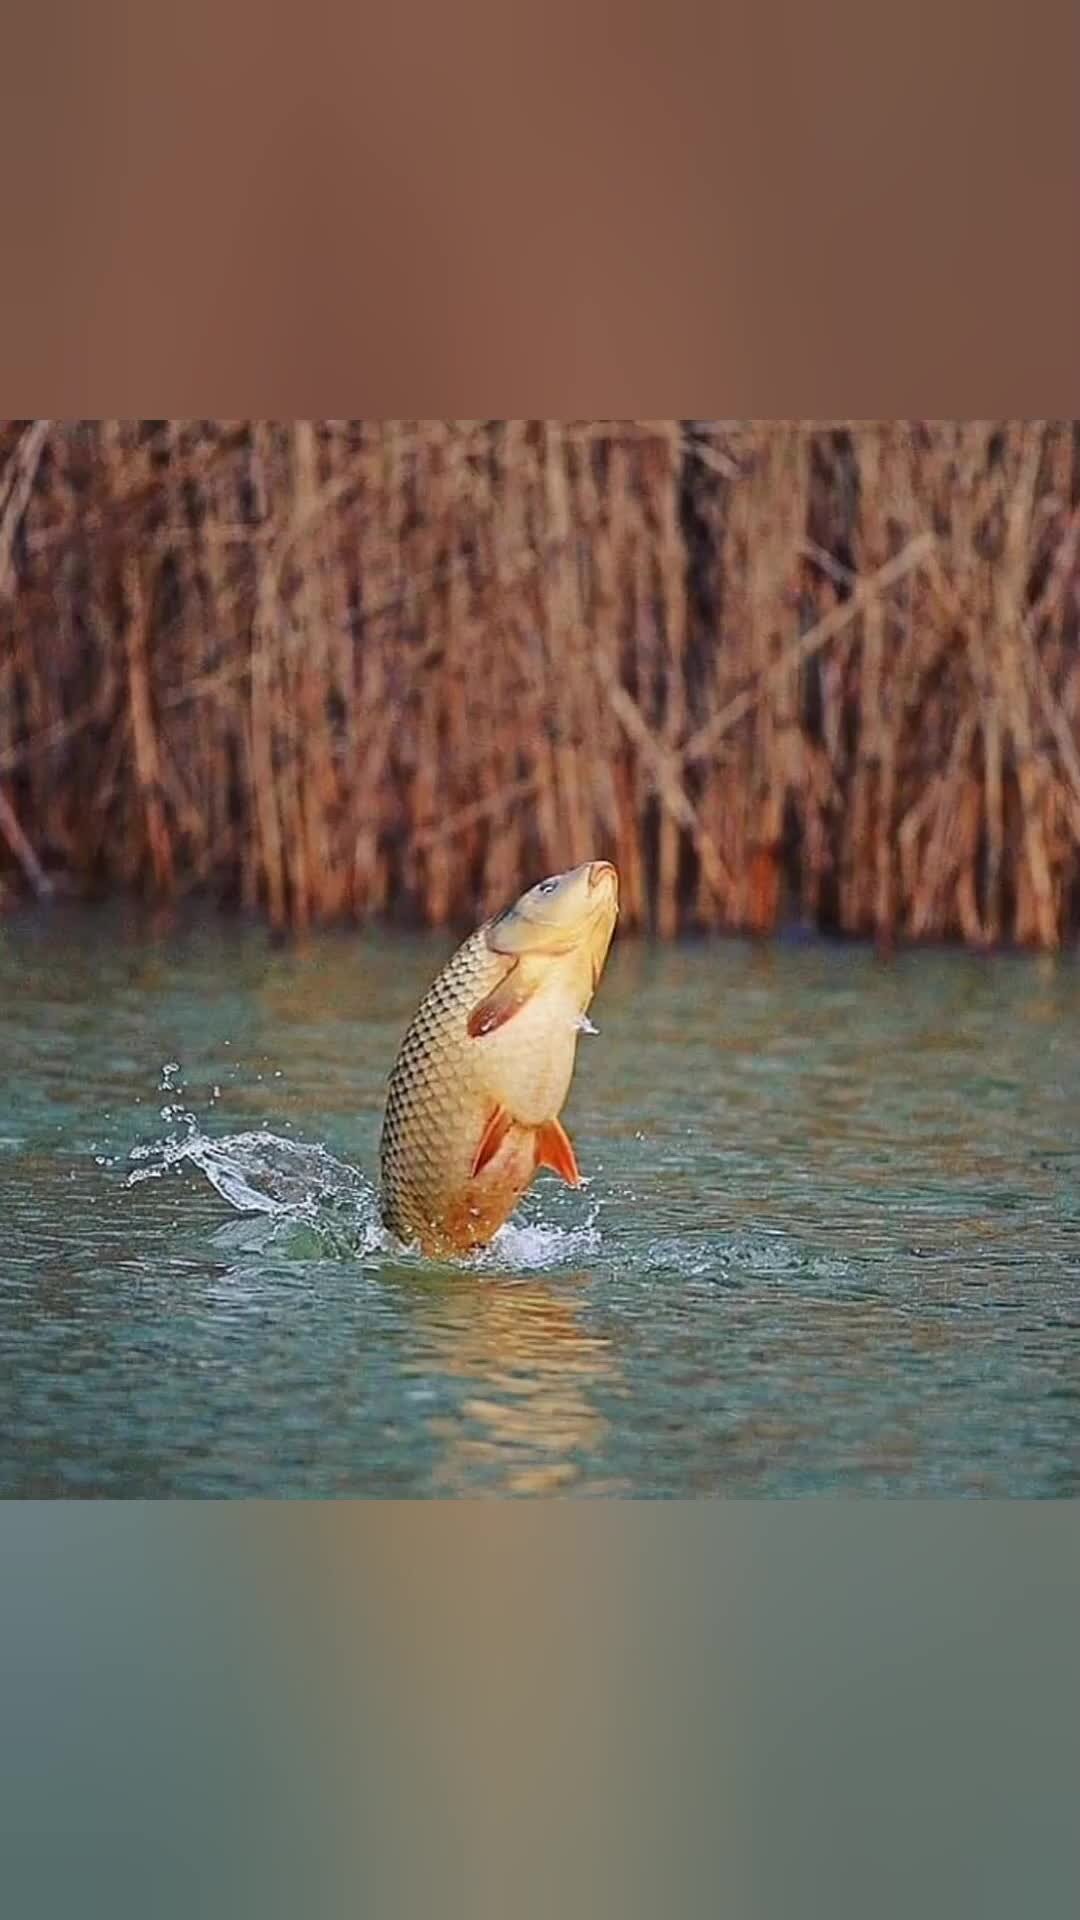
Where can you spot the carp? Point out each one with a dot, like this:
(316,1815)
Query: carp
(473,1101)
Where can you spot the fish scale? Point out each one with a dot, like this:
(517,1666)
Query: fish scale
(437,1103)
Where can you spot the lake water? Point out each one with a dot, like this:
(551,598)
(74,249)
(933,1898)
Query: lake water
(830,1241)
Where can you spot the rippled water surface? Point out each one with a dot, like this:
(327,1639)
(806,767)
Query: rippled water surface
(830,1241)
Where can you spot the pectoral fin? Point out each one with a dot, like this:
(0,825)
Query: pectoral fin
(553,1150)
(498,1126)
(501,1004)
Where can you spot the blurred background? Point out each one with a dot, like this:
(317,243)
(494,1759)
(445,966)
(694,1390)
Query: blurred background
(794,672)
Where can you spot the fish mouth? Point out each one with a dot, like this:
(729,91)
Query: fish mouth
(603,881)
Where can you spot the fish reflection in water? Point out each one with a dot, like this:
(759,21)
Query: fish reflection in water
(533,1368)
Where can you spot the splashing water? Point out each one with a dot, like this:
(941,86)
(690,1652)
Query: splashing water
(293,1183)
(296,1184)
(530,1246)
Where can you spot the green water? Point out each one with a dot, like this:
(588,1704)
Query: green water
(830,1241)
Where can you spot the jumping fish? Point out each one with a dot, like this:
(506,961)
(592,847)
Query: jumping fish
(473,1103)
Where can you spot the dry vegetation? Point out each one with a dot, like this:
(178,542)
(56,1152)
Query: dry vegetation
(340,668)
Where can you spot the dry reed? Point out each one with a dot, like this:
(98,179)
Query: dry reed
(814,672)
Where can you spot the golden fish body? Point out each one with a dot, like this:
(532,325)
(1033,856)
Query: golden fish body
(485,1066)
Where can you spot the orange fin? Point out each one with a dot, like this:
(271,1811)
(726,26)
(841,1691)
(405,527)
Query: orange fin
(553,1150)
(492,1138)
(500,1005)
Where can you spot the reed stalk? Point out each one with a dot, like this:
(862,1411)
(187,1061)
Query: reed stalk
(815,672)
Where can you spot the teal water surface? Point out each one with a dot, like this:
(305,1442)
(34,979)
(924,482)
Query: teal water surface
(830,1241)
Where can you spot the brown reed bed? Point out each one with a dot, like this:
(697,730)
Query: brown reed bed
(821,672)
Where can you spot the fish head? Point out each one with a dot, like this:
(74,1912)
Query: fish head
(561,914)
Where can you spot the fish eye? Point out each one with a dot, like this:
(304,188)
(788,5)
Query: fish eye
(547,886)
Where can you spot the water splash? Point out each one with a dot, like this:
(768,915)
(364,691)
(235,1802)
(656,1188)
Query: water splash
(528,1245)
(289,1183)
(294,1192)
